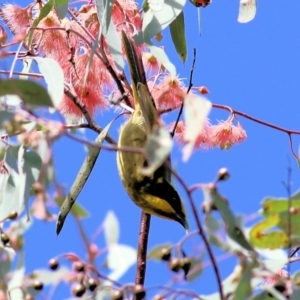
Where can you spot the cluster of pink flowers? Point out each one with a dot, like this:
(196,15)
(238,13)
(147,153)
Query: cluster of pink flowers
(223,135)
(68,42)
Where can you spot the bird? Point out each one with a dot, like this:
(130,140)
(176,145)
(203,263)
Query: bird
(153,194)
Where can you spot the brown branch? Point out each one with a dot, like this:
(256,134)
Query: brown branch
(112,147)
(288,131)
(142,250)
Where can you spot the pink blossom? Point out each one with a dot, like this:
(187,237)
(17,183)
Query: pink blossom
(169,93)
(151,64)
(126,17)
(225,134)
(279,273)
(52,42)
(17,19)
(203,140)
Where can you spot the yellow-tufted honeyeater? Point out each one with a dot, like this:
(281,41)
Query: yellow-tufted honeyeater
(154,195)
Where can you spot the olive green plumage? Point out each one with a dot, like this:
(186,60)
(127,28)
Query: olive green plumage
(153,194)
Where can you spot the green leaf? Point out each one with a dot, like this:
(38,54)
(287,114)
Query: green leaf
(12,185)
(279,213)
(31,165)
(272,205)
(43,14)
(212,224)
(108,29)
(232,227)
(243,290)
(262,296)
(5,265)
(261,235)
(61,8)
(29,91)
(177,30)
(54,78)
(159,15)
(5,118)
(155,252)
(81,178)
(196,268)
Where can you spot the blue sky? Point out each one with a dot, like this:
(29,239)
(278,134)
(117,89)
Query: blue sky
(254,68)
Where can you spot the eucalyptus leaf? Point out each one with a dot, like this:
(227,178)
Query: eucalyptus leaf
(54,77)
(108,29)
(232,227)
(156,252)
(159,15)
(61,8)
(243,290)
(177,30)
(196,268)
(81,178)
(5,118)
(29,91)
(44,12)
(12,186)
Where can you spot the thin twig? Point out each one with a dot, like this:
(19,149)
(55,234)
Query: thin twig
(112,147)
(188,90)
(202,234)
(289,131)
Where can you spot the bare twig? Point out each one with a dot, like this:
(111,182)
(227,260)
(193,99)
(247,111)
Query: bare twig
(202,234)
(188,90)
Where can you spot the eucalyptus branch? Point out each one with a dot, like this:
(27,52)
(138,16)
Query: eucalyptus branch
(112,147)
(236,112)
(142,250)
